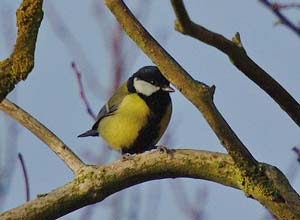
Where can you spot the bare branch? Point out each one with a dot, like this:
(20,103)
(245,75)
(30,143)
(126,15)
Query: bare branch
(21,61)
(118,60)
(73,47)
(44,134)
(26,180)
(253,174)
(287,5)
(276,7)
(82,92)
(297,152)
(239,58)
(197,92)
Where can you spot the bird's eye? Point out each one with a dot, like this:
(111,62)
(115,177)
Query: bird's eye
(152,82)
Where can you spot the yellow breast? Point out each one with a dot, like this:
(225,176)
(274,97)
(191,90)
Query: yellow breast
(121,128)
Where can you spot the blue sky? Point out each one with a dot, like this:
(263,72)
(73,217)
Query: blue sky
(50,93)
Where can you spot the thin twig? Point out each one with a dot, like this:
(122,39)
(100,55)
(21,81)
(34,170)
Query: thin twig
(9,147)
(82,92)
(287,5)
(25,175)
(117,57)
(73,46)
(275,8)
(297,152)
(44,134)
(239,58)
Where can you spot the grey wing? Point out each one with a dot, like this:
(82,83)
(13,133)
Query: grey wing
(112,105)
(104,112)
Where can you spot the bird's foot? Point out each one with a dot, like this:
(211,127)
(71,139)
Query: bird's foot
(127,156)
(163,149)
(41,195)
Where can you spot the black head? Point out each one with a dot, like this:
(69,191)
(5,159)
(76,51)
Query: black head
(148,80)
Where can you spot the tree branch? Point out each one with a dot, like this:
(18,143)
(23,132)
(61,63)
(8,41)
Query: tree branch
(95,184)
(44,134)
(197,92)
(21,61)
(239,58)
(82,92)
(25,175)
(254,176)
(276,9)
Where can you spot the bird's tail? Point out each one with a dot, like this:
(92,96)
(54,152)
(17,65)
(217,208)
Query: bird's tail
(89,133)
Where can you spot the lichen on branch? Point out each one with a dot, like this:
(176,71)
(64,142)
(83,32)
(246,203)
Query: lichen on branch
(254,179)
(21,61)
(95,183)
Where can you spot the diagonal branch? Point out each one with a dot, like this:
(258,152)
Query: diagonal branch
(21,61)
(276,9)
(254,175)
(239,58)
(82,92)
(44,134)
(197,92)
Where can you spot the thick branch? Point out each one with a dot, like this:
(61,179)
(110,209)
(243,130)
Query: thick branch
(239,58)
(21,61)
(44,134)
(254,176)
(95,184)
(198,93)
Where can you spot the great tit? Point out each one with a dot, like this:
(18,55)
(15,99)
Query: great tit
(138,113)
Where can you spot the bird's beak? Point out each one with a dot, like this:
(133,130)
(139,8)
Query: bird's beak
(167,89)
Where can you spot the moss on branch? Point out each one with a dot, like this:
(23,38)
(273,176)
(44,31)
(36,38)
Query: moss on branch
(21,61)
(253,179)
(94,183)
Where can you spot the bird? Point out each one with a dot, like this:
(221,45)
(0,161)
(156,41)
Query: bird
(137,114)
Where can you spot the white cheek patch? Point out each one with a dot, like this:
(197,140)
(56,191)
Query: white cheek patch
(144,87)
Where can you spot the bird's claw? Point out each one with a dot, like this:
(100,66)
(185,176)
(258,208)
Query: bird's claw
(127,156)
(163,149)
